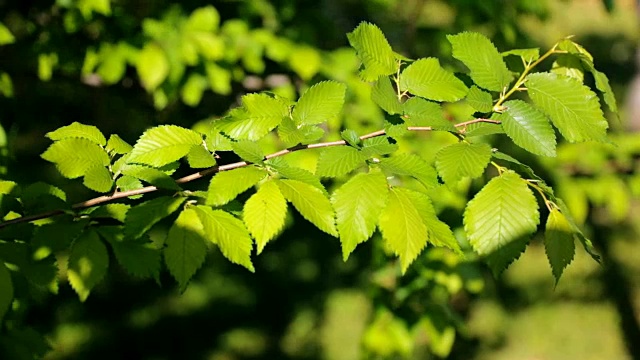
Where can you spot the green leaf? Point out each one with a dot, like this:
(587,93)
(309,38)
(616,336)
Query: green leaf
(77,130)
(411,165)
(203,19)
(338,160)
(478,53)
(141,218)
(573,108)
(480,100)
(53,237)
(6,290)
(117,146)
(501,217)
(482,129)
(264,213)
(74,156)
(385,96)
(185,249)
(163,144)
(249,151)
(374,51)
(98,178)
(6,37)
(192,90)
(261,114)
(426,78)
(377,146)
(229,233)
(295,173)
(311,203)
(351,137)
(462,159)
(127,183)
(586,243)
(138,259)
(528,128)
(199,157)
(402,227)
(153,176)
(357,204)
(440,234)
(226,185)
(559,242)
(152,66)
(528,55)
(291,134)
(568,65)
(321,103)
(420,112)
(216,141)
(88,263)
(112,211)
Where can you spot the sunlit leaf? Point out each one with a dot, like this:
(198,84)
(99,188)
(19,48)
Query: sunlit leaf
(226,185)
(163,144)
(311,203)
(426,78)
(573,108)
(528,128)
(321,103)
(357,204)
(98,178)
(74,156)
(476,51)
(260,114)
(249,151)
(385,96)
(339,160)
(264,213)
(152,66)
(374,51)
(78,130)
(411,165)
(229,233)
(462,160)
(559,242)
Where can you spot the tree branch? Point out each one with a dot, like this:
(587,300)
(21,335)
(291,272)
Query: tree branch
(124,194)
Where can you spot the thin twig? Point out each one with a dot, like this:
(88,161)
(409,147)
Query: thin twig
(216,169)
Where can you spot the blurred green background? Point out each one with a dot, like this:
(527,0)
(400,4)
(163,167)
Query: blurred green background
(126,65)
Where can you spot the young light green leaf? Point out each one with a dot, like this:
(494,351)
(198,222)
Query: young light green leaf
(216,141)
(88,263)
(321,103)
(411,165)
(351,137)
(478,53)
(440,234)
(420,112)
(117,146)
(385,96)
(568,65)
(528,55)
(291,134)
(480,100)
(461,160)
(528,128)
(357,204)
(6,290)
(261,113)
(264,213)
(6,37)
(311,203)
(152,66)
(226,185)
(586,243)
(141,218)
(185,248)
(295,173)
(426,78)
(502,215)
(559,242)
(98,178)
(249,151)
(229,233)
(78,130)
(126,183)
(199,157)
(339,160)
(374,51)
(377,146)
(483,129)
(402,227)
(573,108)
(163,144)
(113,211)
(153,176)
(74,156)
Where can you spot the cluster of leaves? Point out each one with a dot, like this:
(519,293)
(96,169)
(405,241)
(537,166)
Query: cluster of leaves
(372,174)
